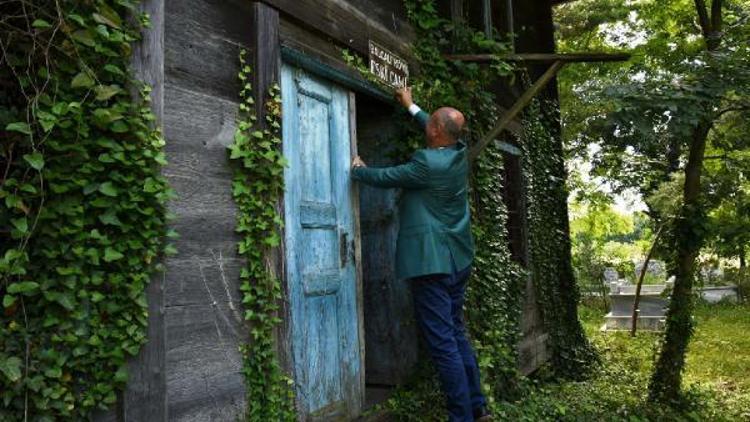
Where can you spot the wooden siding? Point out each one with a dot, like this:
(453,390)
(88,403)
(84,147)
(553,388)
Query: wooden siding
(204,324)
(190,369)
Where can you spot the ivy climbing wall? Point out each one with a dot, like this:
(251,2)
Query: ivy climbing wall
(85,190)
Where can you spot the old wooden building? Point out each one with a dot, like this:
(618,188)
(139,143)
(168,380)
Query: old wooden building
(347,328)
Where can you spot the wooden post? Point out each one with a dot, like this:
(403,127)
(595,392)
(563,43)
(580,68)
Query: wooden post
(266,65)
(145,397)
(266,60)
(487,18)
(515,109)
(509,23)
(457,17)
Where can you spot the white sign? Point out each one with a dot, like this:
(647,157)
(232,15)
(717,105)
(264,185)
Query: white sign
(388,67)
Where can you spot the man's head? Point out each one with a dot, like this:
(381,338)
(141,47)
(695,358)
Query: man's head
(444,127)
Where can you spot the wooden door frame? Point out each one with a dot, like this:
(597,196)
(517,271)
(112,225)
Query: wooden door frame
(354,197)
(266,60)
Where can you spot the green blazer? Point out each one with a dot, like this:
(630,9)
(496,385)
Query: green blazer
(435,220)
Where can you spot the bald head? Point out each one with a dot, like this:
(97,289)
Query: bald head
(444,127)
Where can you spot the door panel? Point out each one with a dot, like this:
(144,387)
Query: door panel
(320,231)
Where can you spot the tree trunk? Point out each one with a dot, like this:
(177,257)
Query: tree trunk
(688,239)
(639,285)
(667,376)
(743,264)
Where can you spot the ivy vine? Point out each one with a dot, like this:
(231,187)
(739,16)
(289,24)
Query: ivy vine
(257,186)
(494,295)
(83,223)
(549,244)
(493,305)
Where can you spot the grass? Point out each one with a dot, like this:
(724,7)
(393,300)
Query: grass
(716,380)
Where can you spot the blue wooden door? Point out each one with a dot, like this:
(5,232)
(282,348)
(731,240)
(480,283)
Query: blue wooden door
(321,235)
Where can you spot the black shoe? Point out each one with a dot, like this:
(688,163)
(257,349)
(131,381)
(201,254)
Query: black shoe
(482,415)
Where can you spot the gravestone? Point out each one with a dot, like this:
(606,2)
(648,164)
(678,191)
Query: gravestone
(652,307)
(611,274)
(655,268)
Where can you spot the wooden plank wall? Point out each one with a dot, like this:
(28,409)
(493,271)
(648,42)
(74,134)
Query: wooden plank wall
(352,23)
(203,313)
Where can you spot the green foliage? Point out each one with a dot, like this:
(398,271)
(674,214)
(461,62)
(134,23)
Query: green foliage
(717,376)
(642,112)
(494,295)
(603,237)
(549,245)
(678,99)
(257,185)
(83,221)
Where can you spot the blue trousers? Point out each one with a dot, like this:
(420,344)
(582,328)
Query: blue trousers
(438,302)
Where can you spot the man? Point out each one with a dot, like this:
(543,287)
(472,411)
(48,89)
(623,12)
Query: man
(435,249)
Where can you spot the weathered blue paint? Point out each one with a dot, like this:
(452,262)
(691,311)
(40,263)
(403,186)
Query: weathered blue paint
(320,231)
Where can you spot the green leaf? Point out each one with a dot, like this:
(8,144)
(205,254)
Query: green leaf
(105,92)
(108,16)
(111,254)
(119,127)
(122,374)
(23,287)
(21,127)
(21,224)
(11,368)
(110,217)
(41,23)
(54,372)
(114,69)
(46,120)
(8,301)
(66,301)
(77,18)
(108,189)
(104,20)
(84,37)
(151,185)
(82,80)
(35,159)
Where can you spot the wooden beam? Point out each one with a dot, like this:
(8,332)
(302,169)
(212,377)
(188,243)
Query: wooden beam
(266,59)
(487,18)
(145,396)
(457,12)
(512,112)
(347,24)
(542,57)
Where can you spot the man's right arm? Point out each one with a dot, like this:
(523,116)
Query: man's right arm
(403,95)
(420,115)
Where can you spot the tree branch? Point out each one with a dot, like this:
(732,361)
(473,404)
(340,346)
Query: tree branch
(722,112)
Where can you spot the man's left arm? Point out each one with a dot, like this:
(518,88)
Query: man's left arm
(411,175)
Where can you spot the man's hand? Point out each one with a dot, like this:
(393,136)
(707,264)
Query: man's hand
(357,162)
(403,95)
